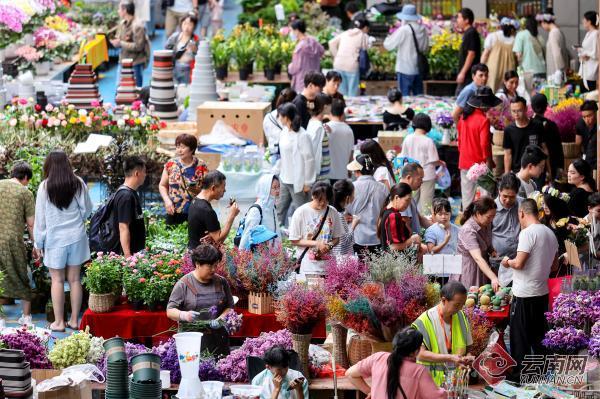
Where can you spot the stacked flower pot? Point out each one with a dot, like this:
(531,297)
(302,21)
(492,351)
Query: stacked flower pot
(162,88)
(204,85)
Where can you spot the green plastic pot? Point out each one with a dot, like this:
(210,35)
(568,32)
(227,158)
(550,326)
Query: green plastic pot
(146,367)
(115,349)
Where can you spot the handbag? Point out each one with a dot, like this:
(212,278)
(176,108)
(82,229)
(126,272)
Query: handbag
(316,234)
(422,61)
(364,64)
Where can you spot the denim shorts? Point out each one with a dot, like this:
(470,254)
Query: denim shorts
(71,255)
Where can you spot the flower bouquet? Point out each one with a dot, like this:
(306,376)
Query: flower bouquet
(75,349)
(574,309)
(299,308)
(481,329)
(565,340)
(233,367)
(12,19)
(484,177)
(565,114)
(33,347)
(259,272)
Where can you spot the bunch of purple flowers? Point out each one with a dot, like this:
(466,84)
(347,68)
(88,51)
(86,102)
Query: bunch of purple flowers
(233,367)
(565,340)
(572,309)
(594,347)
(169,361)
(233,322)
(36,352)
(444,120)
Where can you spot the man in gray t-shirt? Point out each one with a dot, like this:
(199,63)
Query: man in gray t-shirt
(537,255)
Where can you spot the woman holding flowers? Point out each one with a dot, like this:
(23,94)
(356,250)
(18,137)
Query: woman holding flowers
(63,205)
(181,179)
(307,55)
(201,299)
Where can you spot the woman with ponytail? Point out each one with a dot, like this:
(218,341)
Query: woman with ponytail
(396,375)
(393,231)
(297,173)
(475,244)
(580,175)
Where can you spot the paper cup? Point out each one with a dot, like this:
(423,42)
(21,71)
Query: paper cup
(165,379)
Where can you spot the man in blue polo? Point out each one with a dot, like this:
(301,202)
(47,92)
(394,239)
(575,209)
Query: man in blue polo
(479,72)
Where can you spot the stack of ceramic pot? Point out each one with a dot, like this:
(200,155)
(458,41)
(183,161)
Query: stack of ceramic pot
(162,88)
(126,92)
(145,379)
(15,374)
(116,369)
(83,87)
(204,85)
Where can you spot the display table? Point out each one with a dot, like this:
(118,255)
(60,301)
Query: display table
(499,317)
(258,78)
(153,327)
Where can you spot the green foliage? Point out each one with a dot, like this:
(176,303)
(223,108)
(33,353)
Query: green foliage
(389,266)
(103,274)
(88,13)
(161,237)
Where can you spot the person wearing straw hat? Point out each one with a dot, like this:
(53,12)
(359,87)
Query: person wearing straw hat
(474,145)
(403,40)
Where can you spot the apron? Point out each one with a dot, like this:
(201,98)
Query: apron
(501,59)
(214,341)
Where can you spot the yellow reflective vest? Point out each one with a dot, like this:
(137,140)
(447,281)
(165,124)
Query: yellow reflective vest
(460,332)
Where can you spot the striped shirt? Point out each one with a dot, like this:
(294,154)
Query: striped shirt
(325,159)
(346,244)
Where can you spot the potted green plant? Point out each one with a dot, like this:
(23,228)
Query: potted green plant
(221,53)
(269,53)
(243,52)
(103,279)
(156,292)
(134,286)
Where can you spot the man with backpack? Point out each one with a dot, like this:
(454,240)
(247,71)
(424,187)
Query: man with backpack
(118,226)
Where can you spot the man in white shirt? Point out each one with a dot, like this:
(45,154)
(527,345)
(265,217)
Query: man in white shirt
(537,255)
(341,142)
(410,82)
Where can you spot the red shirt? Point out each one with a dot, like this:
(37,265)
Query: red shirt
(393,229)
(473,140)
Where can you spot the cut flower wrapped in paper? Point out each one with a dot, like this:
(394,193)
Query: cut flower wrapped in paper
(484,177)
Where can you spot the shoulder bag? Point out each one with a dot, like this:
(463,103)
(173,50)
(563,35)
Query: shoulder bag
(422,62)
(316,234)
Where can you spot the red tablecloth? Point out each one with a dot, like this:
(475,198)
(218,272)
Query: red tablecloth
(499,317)
(145,325)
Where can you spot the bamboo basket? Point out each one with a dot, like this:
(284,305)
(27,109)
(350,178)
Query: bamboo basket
(358,349)
(571,150)
(260,303)
(301,343)
(101,303)
(498,138)
(340,335)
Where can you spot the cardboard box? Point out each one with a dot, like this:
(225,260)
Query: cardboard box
(390,140)
(166,137)
(212,159)
(82,391)
(245,118)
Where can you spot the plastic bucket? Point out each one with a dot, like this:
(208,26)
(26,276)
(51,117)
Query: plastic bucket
(146,367)
(115,349)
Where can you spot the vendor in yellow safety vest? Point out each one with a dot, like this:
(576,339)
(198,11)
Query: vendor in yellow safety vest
(446,333)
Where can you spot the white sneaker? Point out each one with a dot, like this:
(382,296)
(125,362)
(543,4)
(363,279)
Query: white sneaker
(25,320)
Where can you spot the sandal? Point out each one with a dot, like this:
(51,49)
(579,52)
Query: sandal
(49,327)
(76,328)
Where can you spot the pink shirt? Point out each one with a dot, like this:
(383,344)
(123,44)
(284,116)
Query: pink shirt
(414,378)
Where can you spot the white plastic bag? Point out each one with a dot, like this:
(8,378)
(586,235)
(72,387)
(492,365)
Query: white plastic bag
(222,133)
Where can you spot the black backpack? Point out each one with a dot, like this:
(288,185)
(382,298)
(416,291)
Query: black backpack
(242,226)
(103,234)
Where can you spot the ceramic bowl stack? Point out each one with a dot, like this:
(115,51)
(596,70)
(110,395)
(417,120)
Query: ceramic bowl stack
(126,92)
(162,88)
(145,378)
(204,84)
(83,87)
(116,369)
(15,374)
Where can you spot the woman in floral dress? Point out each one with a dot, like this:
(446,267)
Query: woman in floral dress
(181,179)
(16,211)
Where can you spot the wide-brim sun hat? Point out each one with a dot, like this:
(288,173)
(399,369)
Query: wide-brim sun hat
(484,98)
(354,166)
(260,234)
(409,13)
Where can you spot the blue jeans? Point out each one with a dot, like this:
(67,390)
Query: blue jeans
(349,84)
(138,72)
(410,83)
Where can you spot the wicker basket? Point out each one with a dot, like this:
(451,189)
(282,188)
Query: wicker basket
(101,303)
(301,343)
(358,349)
(340,334)
(571,150)
(381,346)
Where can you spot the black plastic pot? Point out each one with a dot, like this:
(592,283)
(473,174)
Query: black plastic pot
(221,72)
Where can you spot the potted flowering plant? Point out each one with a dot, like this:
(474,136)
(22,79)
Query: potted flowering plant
(103,279)
(299,308)
(221,50)
(243,42)
(269,54)
(259,272)
(443,55)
